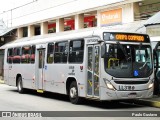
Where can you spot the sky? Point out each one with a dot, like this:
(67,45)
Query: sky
(10,4)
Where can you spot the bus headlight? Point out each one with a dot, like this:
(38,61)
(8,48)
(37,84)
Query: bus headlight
(150,85)
(109,85)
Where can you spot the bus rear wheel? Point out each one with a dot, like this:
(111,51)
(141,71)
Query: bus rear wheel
(20,85)
(73,93)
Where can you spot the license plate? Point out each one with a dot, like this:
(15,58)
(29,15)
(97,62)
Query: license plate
(126,88)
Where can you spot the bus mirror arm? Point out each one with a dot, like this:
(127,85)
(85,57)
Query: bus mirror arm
(103,50)
(156,58)
(100,40)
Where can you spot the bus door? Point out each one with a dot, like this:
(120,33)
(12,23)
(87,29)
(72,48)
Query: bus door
(40,69)
(156,55)
(93,54)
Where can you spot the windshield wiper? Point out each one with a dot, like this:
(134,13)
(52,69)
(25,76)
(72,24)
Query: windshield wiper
(143,65)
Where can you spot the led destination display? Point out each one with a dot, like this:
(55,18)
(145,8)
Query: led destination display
(127,37)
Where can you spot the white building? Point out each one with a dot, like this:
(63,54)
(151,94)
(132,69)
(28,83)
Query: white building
(44,16)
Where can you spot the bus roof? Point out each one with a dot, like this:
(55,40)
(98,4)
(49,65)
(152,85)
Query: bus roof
(87,32)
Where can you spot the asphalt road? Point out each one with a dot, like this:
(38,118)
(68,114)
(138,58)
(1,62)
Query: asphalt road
(11,100)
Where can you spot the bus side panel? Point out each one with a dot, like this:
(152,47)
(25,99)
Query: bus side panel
(9,71)
(27,72)
(80,76)
(13,68)
(6,68)
(49,84)
(57,74)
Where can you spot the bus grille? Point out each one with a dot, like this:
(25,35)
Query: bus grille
(131,82)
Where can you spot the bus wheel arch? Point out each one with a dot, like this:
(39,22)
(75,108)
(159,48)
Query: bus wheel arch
(68,83)
(19,83)
(72,91)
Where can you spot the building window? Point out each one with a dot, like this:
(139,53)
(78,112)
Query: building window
(76,50)
(25,31)
(61,52)
(37,30)
(50,53)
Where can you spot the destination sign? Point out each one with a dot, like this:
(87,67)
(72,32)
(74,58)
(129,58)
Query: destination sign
(139,38)
(127,37)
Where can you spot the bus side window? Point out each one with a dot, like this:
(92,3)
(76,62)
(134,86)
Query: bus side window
(26,54)
(17,55)
(61,52)
(50,53)
(76,50)
(33,49)
(10,55)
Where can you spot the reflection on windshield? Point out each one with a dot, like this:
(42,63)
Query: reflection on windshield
(128,60)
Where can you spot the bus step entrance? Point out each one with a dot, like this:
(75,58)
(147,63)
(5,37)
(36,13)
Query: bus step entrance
(40,91)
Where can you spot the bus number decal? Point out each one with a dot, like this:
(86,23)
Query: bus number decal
(72,70)
(92,41)
(125,87)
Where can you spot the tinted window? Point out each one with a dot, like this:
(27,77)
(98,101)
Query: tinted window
(33,49)
(26,54)
(17,55)
(76,50)
(50,53)
(10,55)
(61,52)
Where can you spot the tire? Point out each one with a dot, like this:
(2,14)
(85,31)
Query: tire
(20,85)
(73,93)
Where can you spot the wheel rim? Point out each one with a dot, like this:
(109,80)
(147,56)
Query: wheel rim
(73,92)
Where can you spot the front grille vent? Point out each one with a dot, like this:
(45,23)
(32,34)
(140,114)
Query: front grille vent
(131,82)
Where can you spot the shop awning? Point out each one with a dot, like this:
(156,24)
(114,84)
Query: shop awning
(155,19)
(6,31)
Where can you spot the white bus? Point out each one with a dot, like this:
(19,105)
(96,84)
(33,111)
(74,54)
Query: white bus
(92,63)
(155,42)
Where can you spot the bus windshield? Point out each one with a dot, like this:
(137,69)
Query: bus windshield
(128,61)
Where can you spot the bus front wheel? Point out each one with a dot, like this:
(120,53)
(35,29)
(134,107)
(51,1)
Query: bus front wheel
(73,93)
(20,85)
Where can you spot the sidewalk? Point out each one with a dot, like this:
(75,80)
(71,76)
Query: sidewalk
(153,102)
(1,80)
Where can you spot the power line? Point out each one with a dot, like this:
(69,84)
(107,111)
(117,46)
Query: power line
(39,10)
(11,10)
(19,6)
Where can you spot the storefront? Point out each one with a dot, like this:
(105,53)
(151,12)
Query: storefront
(89,21)
(111,17)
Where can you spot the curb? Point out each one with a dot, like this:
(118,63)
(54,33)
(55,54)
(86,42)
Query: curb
(150,103)
(1,81)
